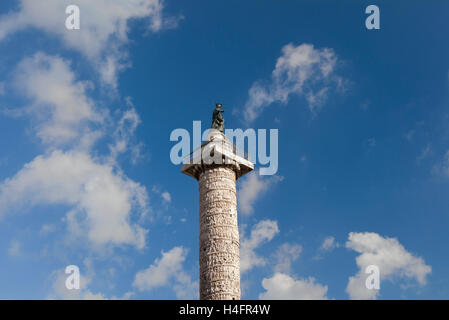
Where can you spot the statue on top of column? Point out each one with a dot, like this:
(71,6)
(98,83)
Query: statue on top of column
(217,118)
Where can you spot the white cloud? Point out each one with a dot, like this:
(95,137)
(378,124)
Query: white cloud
(102,198)
(126,127)
(393,260)
(442,168)
(371,142)
(424,153)
(410,134)
(285,255)
(281,285)
(60,291)
(284,287)
(102,202)
(103,31)
(88,295)
(261,233)
(185,288)
(47,228)
(301,70)
(14,248)
(166,196)
(329,244)
(166,271)
(159,273)
(251,188)
(60,106)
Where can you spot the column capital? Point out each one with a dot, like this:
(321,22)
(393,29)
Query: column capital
(216,151)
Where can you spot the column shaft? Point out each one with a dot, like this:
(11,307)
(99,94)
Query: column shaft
(219,235)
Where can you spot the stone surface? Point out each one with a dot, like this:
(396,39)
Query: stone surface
(222,150)
(219,235)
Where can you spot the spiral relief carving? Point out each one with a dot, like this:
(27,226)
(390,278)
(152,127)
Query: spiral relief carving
(219,235)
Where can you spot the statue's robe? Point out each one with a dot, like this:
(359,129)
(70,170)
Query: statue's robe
(218,120)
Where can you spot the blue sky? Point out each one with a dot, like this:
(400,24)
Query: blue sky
(86,115)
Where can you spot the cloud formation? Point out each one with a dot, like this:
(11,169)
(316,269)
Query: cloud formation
(59,102)
(102,200)
(14,248)
(329,244)
(100,204)
(285,255)
(251,188)
(393,260)
(86,276)
(261,233)
(284,287)
(442,168)
(103,29)
(60,290)
(123,133)
(166,271)
(300,70)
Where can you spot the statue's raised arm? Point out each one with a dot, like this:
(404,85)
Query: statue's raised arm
(217,118)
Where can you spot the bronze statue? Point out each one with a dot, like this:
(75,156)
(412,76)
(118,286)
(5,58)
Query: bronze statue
(217,118)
